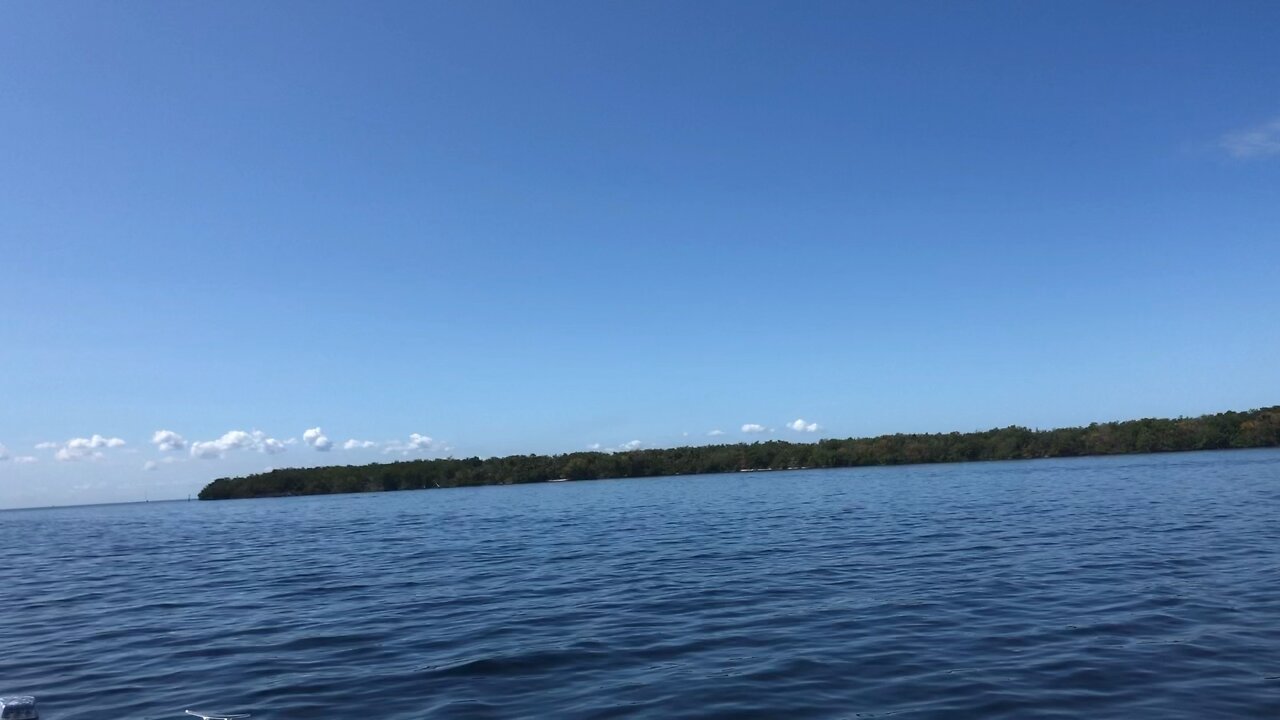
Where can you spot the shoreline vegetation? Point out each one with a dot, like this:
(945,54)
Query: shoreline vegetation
(1221,431)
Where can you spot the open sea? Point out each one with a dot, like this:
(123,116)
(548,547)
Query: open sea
(1126,587)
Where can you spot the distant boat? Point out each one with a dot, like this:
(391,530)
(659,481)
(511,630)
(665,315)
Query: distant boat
(558,480)
(206,715)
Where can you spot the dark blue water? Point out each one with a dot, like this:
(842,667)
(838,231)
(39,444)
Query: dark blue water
(1137,587)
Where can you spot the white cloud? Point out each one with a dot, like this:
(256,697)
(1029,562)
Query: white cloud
(1258,141)
(354,444)
(150,465)
(316,439)
(624,447)
(25,459)
(716,433)
(4,452)
(416,443)
(236,440)
(167,440)
(87,448)
(232,440)
(753,428)
(48,445)
(799,425)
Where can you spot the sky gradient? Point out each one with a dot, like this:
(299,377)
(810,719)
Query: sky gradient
(483,228)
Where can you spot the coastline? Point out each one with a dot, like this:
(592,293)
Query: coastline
(1257,428)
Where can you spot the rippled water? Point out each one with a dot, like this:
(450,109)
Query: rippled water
(1145,586)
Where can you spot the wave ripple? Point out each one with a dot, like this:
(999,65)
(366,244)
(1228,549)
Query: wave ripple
(1131,587)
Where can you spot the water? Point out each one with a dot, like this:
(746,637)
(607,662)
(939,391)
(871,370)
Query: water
(1144,586)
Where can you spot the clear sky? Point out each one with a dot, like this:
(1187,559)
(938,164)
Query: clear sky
(482,228)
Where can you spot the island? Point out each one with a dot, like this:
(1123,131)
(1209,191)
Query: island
(1221,431)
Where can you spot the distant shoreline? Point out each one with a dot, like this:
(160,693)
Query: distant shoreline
(1222,431)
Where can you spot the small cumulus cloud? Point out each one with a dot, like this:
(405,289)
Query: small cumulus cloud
(168,440)
(416,443)
(236,440)
(89,448)
(753,428)
(48,445)
(1258,141)
(624,447)
(354,444)
(715,433)
(799,425)
(316,439)
(232,440)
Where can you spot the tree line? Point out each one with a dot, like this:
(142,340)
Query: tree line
(1251,429)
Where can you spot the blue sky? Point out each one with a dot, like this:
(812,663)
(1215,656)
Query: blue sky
(542,227)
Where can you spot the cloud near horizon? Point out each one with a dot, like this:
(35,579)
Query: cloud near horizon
(753,428)
(716,433)
(354,444)
(89,448)
(1258,141)
(236,440)
(17,460)
(624,447)
(316,439)
(416,443)
(799,425)
(168,441)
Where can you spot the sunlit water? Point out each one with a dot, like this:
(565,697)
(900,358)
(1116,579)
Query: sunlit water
(1134,587)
